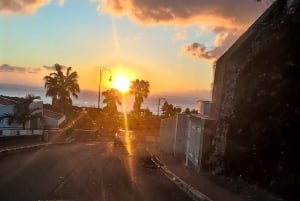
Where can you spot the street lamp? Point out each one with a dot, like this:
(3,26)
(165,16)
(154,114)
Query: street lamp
(159,99)
(100,80)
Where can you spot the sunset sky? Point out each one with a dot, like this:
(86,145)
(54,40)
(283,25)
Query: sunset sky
(170,43)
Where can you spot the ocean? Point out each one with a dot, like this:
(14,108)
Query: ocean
(89,98)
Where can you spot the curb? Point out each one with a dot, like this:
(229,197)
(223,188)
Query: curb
(190,190)
(32,147)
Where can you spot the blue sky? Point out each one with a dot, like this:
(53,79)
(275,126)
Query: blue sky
(152,40)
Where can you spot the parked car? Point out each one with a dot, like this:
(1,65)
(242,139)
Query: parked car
(122,137)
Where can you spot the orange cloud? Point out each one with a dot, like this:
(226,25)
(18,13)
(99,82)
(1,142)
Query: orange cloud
(227,19)
(6,68)
(217,12)
(198,50)
(224,39)
(61,2)
(23,6)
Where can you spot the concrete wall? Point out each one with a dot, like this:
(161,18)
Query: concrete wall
(166,136)
(180,134)
(172,138)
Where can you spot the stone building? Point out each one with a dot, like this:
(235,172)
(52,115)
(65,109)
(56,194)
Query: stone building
(256,85)
(256,103)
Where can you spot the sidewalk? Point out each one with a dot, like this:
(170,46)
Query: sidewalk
(214,187)
(200,181)
(16,142)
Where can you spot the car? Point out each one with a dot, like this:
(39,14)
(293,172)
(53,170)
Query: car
(123,137)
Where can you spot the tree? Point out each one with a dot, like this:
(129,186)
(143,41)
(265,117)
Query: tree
(169,110)
(61,87)
(146,112)
(112,97)
(140,90)
(189,111)
(22,113)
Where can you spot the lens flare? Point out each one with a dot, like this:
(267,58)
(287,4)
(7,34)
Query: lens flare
(122,83)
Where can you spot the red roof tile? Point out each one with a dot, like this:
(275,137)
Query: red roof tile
(6,101)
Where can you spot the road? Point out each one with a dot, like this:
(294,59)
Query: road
(84,170)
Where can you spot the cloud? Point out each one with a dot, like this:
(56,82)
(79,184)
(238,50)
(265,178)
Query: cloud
(9,68)
(51,68)
(48,67)
(21,6)
(61,2)
(217,12)
(224,39)
(198,50)
(24,6)
(226,19)
(33,70)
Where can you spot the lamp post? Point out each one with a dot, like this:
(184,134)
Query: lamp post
(100,80)
(159,99)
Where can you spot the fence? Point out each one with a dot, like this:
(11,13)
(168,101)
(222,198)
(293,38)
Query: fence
(6,133)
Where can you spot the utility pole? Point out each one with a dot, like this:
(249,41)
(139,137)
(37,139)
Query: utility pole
(100,80)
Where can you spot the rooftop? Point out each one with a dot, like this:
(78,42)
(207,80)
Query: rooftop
(52,115)
(6,101)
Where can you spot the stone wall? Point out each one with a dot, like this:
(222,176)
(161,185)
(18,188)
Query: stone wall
(256,101)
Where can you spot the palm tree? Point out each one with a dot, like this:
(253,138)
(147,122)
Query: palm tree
(169,110)
(140,90)
(61,87)
(22,113)
(112,97)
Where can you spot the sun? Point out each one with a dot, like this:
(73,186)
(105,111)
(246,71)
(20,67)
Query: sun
(121,82)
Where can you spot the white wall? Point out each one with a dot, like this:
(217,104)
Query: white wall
(37,104)
(204,107)
(7,109)
(51,122)
(180,134)
(194,141)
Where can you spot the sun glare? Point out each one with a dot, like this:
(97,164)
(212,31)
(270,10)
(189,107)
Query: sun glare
(122,83)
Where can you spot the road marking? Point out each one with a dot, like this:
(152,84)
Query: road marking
(63,182)
(90,144)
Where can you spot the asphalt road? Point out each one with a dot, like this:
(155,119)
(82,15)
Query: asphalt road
(86,170)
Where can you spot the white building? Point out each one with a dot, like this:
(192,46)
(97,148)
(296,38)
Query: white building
(198,140)
(204,107)
(49,119)
(189,136)
(7,107)
(53,119)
